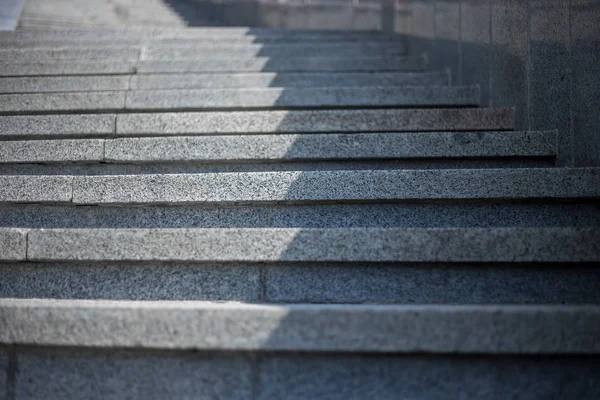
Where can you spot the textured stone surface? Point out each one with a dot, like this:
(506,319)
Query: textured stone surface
(273,51)
(476,52)
(585,67)
(3,373)
(376,245)
(549,76)
(298,186)
(317,121)
(258,64)
(69,101)
(82,54)
(302,97)
(331,146)
(434,284)
(344,328)
(306,282)
(131,281)
(63,84)
(286,80)
(387,215)
(33,151)
(57,125)
(35,189)
(13,244)
(510,51)
(75,374)
(316,376)
(66,67)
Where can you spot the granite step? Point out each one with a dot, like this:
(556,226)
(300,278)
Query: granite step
(221,33)
(368,265)
(303,328)
(52,68)
(205,81)
(304,186)
(286,64)
(283,148)
(240,99)
(159,51)
(257,122)
(175,51)
(242,351)
(40,55)
(287,80)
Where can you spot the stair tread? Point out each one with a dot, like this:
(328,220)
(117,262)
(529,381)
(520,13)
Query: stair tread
(470,329)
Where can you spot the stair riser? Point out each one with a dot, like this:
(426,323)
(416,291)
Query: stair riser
(75,373)
(306,282)
(424,214)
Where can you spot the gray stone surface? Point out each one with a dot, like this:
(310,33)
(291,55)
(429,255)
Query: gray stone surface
(4,373)
(81,54)
(287,80)
(67,101)
(190,325)
(423,214)
(56,125)
(329,146)
(63,84)
(348,245)
(287,64)
(427,377)
(66,67)
(476,52)
(317,121)
(13,244)
(585,64)
(95,375)
(299,186)
(35,151)
(447,45)
(430,284)
(35,189)
(273,51)
(324,97)
(131,281)
(510,50)
(549,79)
(306,282)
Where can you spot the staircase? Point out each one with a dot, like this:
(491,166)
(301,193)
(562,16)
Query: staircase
(228,213)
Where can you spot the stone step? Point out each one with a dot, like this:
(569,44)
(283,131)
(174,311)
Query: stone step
(322,97)
(306,282)
(287,64)
(159,51)
(177,51)
(287,80)
(41,55)
(282,148)
(257,122)
(257,35)
(64,84)
(66,68)
(434,329)
(218,99)
(304,186)
(204,81)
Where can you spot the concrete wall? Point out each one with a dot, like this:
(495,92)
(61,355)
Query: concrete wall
(541,56)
